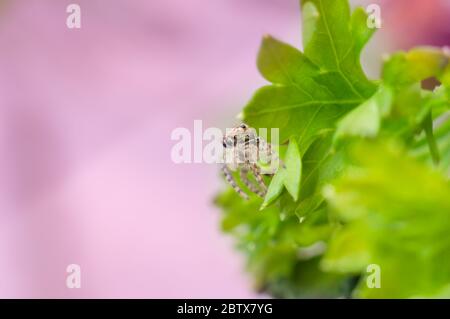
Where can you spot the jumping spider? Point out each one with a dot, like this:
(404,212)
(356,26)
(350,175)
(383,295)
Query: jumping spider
(243,150)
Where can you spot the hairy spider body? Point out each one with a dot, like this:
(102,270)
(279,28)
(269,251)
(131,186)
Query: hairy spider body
(243,149)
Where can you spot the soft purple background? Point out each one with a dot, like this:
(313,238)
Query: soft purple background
(85,123)
(86,117)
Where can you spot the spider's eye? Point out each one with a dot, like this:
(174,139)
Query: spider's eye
(243,126)
(224,144)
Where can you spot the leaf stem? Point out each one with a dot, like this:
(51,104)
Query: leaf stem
(428,127)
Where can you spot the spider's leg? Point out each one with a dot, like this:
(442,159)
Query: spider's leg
(258,177)
(273,155)
(232,182)
(252,187)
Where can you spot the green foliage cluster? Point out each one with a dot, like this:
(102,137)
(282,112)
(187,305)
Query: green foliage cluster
(367,167)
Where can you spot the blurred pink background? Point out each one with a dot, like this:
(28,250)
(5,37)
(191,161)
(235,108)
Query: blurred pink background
(85,122)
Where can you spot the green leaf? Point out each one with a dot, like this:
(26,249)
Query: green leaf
(293,174)
(348,251)
(321,164)
(385,192)
(406,68)
(310,16)
(308,281)
(288,176)
(270,244)
(283,64)
(361,184)
(312,90)
(446,74)
(365,120)
(275,188)
(361,33)
(337,42)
